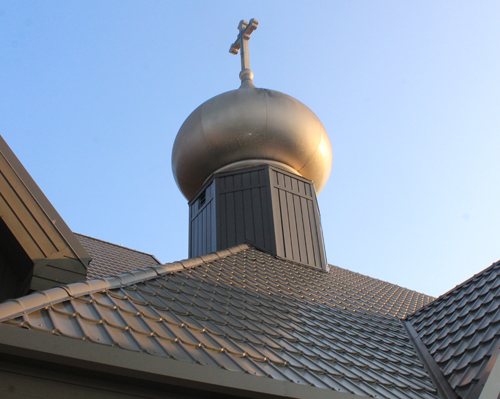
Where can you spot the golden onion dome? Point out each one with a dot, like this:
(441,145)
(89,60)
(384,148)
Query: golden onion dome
(250,126)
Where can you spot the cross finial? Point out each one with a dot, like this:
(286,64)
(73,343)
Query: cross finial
(245,29)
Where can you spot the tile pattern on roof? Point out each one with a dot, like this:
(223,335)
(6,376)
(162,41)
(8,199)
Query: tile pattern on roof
(461,328)
(367,293)
(248,312)
(111,259)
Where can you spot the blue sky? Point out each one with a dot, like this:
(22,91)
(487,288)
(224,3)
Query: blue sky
(93,93)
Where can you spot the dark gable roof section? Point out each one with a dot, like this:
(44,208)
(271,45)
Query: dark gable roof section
(110,259)
(461,330)
(241,310)
(40,234)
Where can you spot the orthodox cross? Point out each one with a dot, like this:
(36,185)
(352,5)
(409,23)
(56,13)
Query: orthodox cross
(241,44)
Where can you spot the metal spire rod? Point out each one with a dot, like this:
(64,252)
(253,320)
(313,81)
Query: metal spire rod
(241,44)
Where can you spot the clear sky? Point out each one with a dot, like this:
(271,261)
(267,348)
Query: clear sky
(92,94)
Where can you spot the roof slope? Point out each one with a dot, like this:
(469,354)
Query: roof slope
(111,259)
(461,329)
(351,289)
(242,310)
(370,294)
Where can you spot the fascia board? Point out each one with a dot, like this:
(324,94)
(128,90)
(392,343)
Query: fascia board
(32,345)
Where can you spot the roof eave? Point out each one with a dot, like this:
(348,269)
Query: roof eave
(107,361)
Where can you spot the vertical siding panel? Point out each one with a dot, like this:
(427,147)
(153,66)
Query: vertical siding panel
(278,181)
(199,220)
(295,188)
(300,229)
(314,231)
(230,221)
(268,203)
(270,207)
(222,227)
(288,182)
(191,231)
(208,231)
(213,224)
(271,213)
(204,232)
(198,235)
(239,217)
(245,180)
(195,237)
(301,187)
(229,180)
(321,242)
(307,232)
(248,214)
(205,229)
(262,177)
(258,221)
(237,180)
(293,226)
(254,178)
(285,223)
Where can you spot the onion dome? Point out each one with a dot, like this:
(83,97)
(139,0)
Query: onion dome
(250,127)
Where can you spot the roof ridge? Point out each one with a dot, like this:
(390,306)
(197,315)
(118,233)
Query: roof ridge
(117,245)
(15,307)
(458,286)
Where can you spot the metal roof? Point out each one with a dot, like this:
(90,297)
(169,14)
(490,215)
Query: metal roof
(110,259)
(461,330)
(370,294)
(242,310)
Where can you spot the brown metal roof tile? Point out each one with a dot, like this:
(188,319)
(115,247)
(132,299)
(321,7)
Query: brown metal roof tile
(110,259)
(250,312)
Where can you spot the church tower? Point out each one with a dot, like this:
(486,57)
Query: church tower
(250,162)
